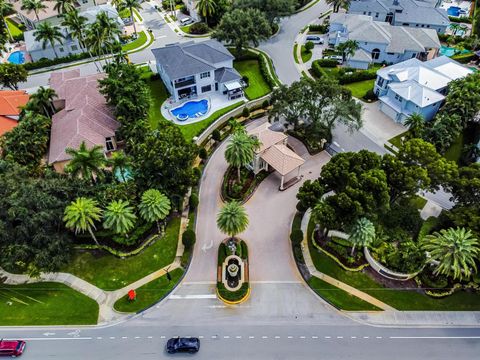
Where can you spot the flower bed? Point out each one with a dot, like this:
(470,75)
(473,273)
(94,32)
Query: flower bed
(243,190)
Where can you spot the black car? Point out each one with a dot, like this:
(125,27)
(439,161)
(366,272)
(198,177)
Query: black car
(176,345)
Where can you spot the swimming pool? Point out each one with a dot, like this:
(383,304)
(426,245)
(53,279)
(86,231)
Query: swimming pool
(17,57)
(456,11)
(190,110)
(450,51)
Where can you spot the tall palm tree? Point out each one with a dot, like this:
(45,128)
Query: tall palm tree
(48,33)
(64,6)
(206,8)
(416,125)
(81,215)
(119,216)
(44,98)
(362,234)
(154,206)
(33,5)
(337,4)
(240,150)
(103,33)
(5,9)
(85,162)
(453,251)
(232,219)
(119,163)
(348,49)
(131,4)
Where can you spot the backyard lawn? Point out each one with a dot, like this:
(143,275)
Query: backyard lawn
(109,272)
(149,293)
(158,94)
(139,41)
(258,87)
(45,303)
(13,27)
(360,88)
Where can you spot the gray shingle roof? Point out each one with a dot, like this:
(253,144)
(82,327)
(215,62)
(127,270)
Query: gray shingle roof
(226,74)
(361,55)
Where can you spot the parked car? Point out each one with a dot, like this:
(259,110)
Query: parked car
(315,39)
(11,347)
(186,21)
(339,58)
(179,345)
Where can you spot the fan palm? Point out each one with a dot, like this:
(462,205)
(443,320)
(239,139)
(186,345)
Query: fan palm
(64,6)
(119,217)
(337,4)
(76,25)
(206,8)
(416,125)
(362,234)
(85,162)
(43,98)
(33,5)
(348,48)
(154,206)
(232,219)
(453,252)
(5,9)
(103,33)
(81,214)
(131,4)
(241,150)
(48,33)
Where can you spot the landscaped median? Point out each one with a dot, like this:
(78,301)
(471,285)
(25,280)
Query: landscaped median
(240,190)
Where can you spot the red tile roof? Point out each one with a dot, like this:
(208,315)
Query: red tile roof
(10,103)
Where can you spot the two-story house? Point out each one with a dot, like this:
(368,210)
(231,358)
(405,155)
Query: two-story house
(414,86)
(381,42)
(196,68)
(411,13)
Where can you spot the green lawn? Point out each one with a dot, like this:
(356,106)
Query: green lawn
(45,303)
(399,299)
(419,202)
(141,40)
(192,130)
(125,13)
(338,297)
(397,140)
(15,29)
(149,293)
(109,272)
(258,87)
(454,152)
(306,55)
(295,57)
(158,94)
(360,88)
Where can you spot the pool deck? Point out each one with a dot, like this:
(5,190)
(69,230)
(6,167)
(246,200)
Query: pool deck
(216,102)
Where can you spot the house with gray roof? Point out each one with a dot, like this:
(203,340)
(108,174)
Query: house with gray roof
(414,86)
(411,13)
(195,68)
(381,42)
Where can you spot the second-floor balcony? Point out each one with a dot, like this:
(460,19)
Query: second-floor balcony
(179,83)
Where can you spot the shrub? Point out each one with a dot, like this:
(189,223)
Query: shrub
(245,112)
(139,232)
(188,238)
(155,76)
(202,153)
(356,76)
(461,19)
(44,62)
(216,136)
(464,58)
(197,173)
(309,45)
(244,246)
(235,295)
(296,236)
(246,80)
(265,103)
(318,28)
(184,10)
(433,281)
(199,28)
(370,95)
(193,201)
(328,63)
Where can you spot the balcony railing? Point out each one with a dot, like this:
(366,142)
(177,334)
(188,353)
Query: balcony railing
(184,83)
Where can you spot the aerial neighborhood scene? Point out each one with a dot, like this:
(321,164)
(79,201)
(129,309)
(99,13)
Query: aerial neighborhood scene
(240,179)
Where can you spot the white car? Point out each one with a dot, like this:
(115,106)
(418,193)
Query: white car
(186,21)
(315,39)
(339,58)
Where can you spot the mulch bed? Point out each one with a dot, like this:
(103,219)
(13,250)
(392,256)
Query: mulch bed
(389,283)
(324,241)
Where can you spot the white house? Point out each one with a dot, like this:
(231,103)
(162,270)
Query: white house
(381,42)
(196,68)
(412,13)
(192,9)
(414,86)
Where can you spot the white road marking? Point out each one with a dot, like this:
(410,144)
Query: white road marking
(192,297)
(366,337)
(200,337)
(339,337)
(328,337)
(302,337)
(290,337)
(99,338)
(137,337)
(314,337)
(214,336)
(112,337)
(264,337)
(238,337)
(251,337)
(378,337)
(353,337)
(277,337)
(124,337)
(226,337)
(149,337)
(162,337)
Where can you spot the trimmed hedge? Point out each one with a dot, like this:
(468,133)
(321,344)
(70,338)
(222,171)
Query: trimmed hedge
(464,58)
(188,238)
(357,76)
(50,62)
(198,29)
(233,295)
(296,236)
(328,63)
(461,19)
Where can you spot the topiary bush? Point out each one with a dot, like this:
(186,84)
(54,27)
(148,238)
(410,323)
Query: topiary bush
(216,135)
(296,236)
(202,153)
(370,95)
(198,28)
(245,112)
(188,238)
(193,201)
(328,63)
(309,45)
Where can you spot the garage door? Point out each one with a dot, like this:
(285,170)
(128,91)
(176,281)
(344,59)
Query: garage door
(387,110)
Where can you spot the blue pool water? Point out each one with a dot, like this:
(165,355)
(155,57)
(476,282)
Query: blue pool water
(17,57)
(191,109)
(450,51)
(455,11)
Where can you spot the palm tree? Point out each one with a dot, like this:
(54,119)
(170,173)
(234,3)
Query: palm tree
(5,9)
(455,27)
(81,215)
(119,217)
(453,252)
(33,5)
(64,6)
(76,25)
(85,162)
(241,150)
(362,234)
(206,8)
(154,206)
(132,4)
(232,219)
(48,33)
(337,4)
(44,98)
(348,48)
(119,162)
(416,125)
(103,33)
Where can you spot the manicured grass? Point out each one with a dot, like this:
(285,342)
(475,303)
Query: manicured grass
(359,89)
(295,57)
(149,293)
(192,130)
(454,152)
(338,297)
(257,87)
(137,14)
(110,273)
(45,303)
(306,55)
(158,94)
(397,140)
(139,41)
(15,29)
(399,299)
(125,13)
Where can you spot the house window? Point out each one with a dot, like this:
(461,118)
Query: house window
(216,86)
(398,97)
(376,15)
(364,13)
(74,47)
(206,88)
(205,75)
(375,54)
(369,13)
(389,18)
(110,144)
(380,82)
(405,24)
(61,49)
(84,1)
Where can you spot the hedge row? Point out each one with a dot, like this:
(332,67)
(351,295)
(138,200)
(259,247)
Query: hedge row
(328,63)
(357,76)
(461,19)
(232,295)
(44,62)
(464,58)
